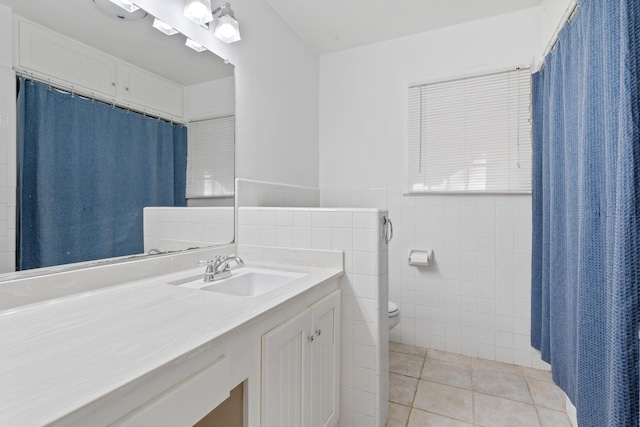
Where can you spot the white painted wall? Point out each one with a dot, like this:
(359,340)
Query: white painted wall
(363,91)
(276,91)
(553,12)
(260,193)
(216,98)
(476,299)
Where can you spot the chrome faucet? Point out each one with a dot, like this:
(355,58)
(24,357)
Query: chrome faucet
(218,268)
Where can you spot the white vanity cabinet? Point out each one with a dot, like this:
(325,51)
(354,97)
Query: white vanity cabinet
(300,368)
(148,353)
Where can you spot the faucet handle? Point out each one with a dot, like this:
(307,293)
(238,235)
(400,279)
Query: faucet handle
(211,264)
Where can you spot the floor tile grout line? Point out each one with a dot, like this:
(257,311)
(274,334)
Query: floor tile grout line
(535,404)
(473,398)
(436,382)
(415,391)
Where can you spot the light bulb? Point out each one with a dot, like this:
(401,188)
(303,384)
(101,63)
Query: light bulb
(226,30)
(198,10)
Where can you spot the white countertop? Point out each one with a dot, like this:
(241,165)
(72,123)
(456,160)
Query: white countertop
(61,355)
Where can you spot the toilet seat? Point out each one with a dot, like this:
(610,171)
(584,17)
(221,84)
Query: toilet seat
(394,315)
(393,309)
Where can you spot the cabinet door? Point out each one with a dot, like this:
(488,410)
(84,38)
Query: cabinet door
(65,61)
(285,358)
(149,92)
(325,359)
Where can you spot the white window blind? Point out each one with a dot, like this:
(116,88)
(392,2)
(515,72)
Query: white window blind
(471,134)
(211,157)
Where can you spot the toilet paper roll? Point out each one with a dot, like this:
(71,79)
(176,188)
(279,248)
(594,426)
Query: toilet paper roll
(421,257)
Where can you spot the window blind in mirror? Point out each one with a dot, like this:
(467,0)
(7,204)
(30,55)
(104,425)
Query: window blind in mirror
(211,157)
(471,134)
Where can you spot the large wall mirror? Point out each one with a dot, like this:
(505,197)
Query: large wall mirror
(92,51)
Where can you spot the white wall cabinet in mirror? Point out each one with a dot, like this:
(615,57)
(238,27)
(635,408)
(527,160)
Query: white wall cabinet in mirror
(70,64)
(139,87)
(126,64)
(53,57)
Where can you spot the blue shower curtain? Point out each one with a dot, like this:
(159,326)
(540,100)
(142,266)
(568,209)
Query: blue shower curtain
(586,209)
(86,170)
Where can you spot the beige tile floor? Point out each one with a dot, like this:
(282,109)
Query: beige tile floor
(434,388)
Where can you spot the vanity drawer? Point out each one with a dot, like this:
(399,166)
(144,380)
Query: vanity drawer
(187,402)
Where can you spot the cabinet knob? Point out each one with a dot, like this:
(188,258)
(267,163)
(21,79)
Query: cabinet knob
(319,332)
(126,88)
(310,338)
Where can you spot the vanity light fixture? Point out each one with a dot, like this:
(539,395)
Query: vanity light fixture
(126,5)
(162,27)
(227,28)
(198,11)
(195,45)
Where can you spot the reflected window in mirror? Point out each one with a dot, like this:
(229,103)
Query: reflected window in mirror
(211,158)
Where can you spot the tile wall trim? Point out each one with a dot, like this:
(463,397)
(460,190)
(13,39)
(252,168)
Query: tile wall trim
(177,228)
(8,168)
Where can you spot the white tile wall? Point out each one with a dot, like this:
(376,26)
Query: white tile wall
(357,232)
(174,228)
(7,170)
(476,299)
(260,193)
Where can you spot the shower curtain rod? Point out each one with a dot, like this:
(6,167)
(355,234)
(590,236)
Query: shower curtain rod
(568,15)
(92,96)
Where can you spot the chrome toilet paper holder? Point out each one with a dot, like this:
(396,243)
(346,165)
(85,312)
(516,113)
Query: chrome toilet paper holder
(421,257)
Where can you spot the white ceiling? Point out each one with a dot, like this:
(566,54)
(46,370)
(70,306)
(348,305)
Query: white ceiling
(332,25)
(136,42)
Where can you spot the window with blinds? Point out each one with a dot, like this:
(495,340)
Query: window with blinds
(471,135)
(211,157)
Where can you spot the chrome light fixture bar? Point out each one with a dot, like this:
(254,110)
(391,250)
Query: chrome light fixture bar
(227,27)
(198,11)
(126,5)
(164,28)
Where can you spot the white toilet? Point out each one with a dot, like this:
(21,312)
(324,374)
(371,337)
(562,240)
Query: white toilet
(394,315)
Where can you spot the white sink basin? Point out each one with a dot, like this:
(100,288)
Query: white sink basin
(244,282)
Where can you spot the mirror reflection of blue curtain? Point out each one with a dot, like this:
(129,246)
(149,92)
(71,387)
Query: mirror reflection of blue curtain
(586,212)
(86,170)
